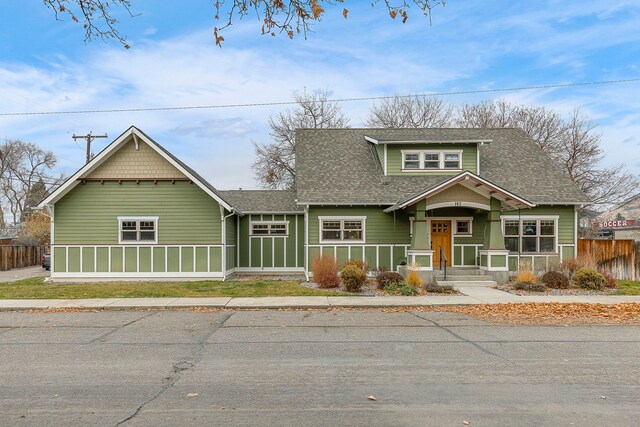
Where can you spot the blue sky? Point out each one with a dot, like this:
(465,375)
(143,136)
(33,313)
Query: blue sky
(45,65)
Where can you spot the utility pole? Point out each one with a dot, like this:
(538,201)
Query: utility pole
(88,138)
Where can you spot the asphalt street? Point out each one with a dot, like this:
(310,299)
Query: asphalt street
(180,368)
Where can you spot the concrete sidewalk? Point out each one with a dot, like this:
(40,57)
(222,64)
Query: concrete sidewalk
(468,296)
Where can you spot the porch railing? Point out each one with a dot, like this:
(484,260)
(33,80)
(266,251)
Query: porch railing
(443,259)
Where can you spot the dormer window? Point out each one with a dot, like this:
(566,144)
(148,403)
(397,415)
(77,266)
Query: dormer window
(432,160)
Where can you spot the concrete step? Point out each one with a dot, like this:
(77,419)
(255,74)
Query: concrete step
(462,277)
(463,271)
(466,283)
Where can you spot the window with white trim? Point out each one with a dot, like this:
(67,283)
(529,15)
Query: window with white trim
(348,229)
(463,227)
(270,228)
(138,230)
(530,235)
(432,160)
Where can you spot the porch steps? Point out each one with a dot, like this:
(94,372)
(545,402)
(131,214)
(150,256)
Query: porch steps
(464,277)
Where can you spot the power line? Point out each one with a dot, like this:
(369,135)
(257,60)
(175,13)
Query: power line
(369,98)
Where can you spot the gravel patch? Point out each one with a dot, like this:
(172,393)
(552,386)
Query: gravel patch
(554,292)
(370,289)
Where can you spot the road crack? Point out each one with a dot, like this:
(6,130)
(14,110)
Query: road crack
(186,364)
(460,337)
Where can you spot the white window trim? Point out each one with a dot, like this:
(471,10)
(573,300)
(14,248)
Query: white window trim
(553,218)
(286,224)
(342,218)
(455,229)
(421,155)
(155,219)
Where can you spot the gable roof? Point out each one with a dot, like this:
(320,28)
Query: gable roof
(263,201)
(463,177)
(336,166)
(133,132)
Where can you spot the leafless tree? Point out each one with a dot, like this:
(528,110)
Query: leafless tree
(26,175)
(410,112)
(543,125)
(291,17)
(275,163)
(572,143)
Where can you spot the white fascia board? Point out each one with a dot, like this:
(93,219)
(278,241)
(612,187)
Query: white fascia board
(371,140)
(455,180)
(426,141)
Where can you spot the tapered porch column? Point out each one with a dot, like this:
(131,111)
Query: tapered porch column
(420,255)
(493,255)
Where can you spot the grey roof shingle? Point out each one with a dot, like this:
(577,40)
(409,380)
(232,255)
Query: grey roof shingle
(336,166)
(248,201)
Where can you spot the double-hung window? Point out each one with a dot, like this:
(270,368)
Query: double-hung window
(137,230)
(269,228)
(431,160)
(530,235)
(341,229)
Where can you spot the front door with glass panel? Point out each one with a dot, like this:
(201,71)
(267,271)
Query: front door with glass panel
(441,238)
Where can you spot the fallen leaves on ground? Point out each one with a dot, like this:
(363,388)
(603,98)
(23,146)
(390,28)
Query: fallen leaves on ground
(519,313)
(371,398)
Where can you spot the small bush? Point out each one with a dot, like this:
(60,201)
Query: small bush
(401,289)
(387,278)
(572,265)
(325,271)
(555,280)
(414,279)
(525,276)
(588,278)
(438,289)
(358,263)
(530,286)
(353,278)
(610,280)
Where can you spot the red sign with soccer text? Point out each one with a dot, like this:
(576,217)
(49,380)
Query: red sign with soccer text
(616,223)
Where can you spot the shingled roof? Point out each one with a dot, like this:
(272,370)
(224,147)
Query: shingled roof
(271,201)
(337,166)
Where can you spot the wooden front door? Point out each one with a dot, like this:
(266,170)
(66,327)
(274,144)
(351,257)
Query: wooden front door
(441,237)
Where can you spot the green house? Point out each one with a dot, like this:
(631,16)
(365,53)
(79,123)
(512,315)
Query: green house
(476,199)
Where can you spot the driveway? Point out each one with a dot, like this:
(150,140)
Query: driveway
(150,368)
(22,273)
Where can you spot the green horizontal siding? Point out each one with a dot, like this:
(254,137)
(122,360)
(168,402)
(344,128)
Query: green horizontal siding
(380,228)
(88,213)
(394,157)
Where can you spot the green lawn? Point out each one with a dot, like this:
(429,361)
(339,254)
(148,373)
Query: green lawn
(36,288)
(628,288)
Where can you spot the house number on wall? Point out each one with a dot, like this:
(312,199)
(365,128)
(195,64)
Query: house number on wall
(457,203)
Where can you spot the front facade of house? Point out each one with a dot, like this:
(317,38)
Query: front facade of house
(473,198)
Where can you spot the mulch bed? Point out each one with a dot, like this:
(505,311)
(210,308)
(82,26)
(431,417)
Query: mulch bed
(552,292)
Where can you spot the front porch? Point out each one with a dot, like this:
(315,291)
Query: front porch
(461,224)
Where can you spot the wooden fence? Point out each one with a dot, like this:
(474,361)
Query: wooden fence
(618,256)
(19,256)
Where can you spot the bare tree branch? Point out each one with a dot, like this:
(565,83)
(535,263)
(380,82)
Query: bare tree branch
(291,17)
(410,112)
(275,163)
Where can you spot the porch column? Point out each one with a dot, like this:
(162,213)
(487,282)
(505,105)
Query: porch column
(493,238)
(420,255)
(420,238)
(493,255)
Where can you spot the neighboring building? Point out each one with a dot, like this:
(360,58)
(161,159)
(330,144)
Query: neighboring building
(620,222)
(481,198)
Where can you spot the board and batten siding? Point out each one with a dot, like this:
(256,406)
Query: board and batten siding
(394,157)
(386,236)
(271,253)
(86,231)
